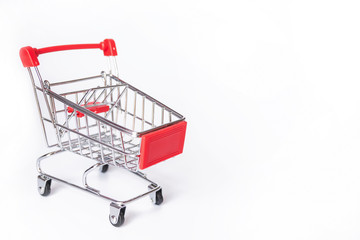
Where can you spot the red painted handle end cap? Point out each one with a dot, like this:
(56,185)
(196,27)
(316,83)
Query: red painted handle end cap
(29,57)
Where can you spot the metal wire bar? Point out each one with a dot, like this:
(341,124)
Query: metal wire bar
(74,80)
(117,109)
(125,110)
(132,88)
(38,105)
(97,141)
(46,101)
(78,136)
(88,89)
(88,133)
(112,144)
(162,115)
(135,95)
(102,92)
(73,113)
(114,104)
(123,146)
(100,145)
(143,113)
(77,102)
(88,112)
(153,115)
(67,125)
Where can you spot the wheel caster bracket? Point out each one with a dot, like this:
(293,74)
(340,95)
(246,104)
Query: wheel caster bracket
(156,196)
(117,214)
(44,185)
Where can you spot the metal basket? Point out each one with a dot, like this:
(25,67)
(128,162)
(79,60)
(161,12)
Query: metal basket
(111,122)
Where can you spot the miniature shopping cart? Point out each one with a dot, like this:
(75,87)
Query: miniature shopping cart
(109,121)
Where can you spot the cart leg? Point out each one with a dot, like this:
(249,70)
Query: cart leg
(117,214)
(44,185)
(156,197)
(38,162)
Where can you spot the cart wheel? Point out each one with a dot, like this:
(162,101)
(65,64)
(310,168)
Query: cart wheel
(156,197)
(44,185)
(117,214)
(159,197)
(104,168)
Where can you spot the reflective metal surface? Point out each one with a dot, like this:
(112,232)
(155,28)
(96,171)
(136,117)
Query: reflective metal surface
(109,138)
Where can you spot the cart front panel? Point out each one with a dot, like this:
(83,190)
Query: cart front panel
(163,144)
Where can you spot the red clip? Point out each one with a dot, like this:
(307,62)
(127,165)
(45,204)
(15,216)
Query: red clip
(95,109)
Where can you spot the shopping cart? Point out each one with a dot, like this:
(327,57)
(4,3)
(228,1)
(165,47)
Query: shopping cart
(110,121)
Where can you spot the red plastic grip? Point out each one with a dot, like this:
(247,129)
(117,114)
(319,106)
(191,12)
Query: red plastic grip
(162,144)
(95,109)
(66,47)
(29,55)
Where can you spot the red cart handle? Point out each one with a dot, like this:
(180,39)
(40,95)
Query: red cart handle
(29,55)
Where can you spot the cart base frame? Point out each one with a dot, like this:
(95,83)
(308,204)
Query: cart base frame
(117,207)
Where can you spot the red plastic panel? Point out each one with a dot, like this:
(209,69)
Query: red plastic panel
(95,109)
(162,144)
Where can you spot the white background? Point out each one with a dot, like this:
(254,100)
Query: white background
(270,90)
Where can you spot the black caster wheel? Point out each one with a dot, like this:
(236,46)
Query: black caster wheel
(104,168)
(117,215)
(156,197)
(44,185)
(159,197)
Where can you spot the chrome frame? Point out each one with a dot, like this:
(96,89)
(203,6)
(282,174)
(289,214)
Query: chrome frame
(113,139)
(86,186)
